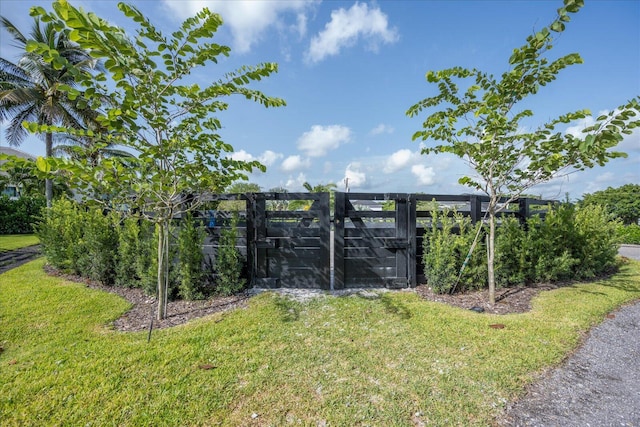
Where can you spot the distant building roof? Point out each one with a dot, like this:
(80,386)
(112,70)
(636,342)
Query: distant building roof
(13,152)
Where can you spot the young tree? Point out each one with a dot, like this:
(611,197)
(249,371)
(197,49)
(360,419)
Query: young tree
(480,123)
(30,89)
(155,111)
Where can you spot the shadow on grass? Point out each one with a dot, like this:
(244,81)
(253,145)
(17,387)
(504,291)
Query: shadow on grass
(622,279)
(288,308)
(395,307)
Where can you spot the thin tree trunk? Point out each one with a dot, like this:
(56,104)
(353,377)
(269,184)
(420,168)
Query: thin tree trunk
(491,252)
(162,289)
(48,140)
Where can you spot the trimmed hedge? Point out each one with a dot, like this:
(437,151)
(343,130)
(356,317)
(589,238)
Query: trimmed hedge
(19,216)
(570,244)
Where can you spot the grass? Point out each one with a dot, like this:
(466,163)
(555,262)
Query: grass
(9,242)
(395,360)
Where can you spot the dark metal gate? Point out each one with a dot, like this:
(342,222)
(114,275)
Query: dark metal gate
(374,248)
(287,248)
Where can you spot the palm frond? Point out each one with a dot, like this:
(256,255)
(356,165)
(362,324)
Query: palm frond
(14,31)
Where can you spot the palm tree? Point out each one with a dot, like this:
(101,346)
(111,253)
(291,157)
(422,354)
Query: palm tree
(319,188)
(30,89)
(85,149)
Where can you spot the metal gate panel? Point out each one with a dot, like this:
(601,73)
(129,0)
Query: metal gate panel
(374,248)
(290,249)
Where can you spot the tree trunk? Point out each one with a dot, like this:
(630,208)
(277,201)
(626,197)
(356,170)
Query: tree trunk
(163,277)
(491,252)
(48,140)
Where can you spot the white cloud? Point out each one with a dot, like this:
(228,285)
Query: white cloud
(247,19)
(576,130)
(398,160)
(293,163)
(630,143)
(301,25)
(267,158)
(425,175)
(346,27)
(296,183)
(380,129)
(356,177)
(320,139)
(242,156)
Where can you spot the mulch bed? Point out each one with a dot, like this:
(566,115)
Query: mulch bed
(142,313)
(509,300)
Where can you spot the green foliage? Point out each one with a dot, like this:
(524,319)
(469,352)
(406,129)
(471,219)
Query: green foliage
(513,263)
(629,234)
(97,249)
(238,188)
(130,251)
(570,244)
(598,235)
(59,231)
(229,261)
(622,202)
(19,216)
(79,240)
(191,276)
(446,245)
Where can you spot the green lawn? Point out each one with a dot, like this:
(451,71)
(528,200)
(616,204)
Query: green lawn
(9,242)
(332,361)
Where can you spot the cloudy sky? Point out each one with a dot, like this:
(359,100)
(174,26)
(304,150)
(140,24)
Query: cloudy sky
(350,70)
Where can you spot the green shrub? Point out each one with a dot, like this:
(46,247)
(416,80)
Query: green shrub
(446,245)
(129,252)
(19,216)
(229,262)
(570,244)
(191,285)
(554,244)
(628,234)
(59,231)
(512,259)
(79,240)
(597,234)
(97,250)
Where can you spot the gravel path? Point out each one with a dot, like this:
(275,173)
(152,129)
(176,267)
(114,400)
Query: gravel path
(599,385)
(15,258)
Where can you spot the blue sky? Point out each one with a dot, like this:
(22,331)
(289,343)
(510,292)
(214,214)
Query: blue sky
(350,70)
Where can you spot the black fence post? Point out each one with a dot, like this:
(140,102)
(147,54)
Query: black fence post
(402,234)
(475,206)
(325,240)
(412,250)
(523,211)
(338,240)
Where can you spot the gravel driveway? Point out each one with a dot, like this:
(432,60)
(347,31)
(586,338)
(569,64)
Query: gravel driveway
(599,385)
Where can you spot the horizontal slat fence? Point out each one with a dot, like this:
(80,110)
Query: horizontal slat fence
(360,245)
